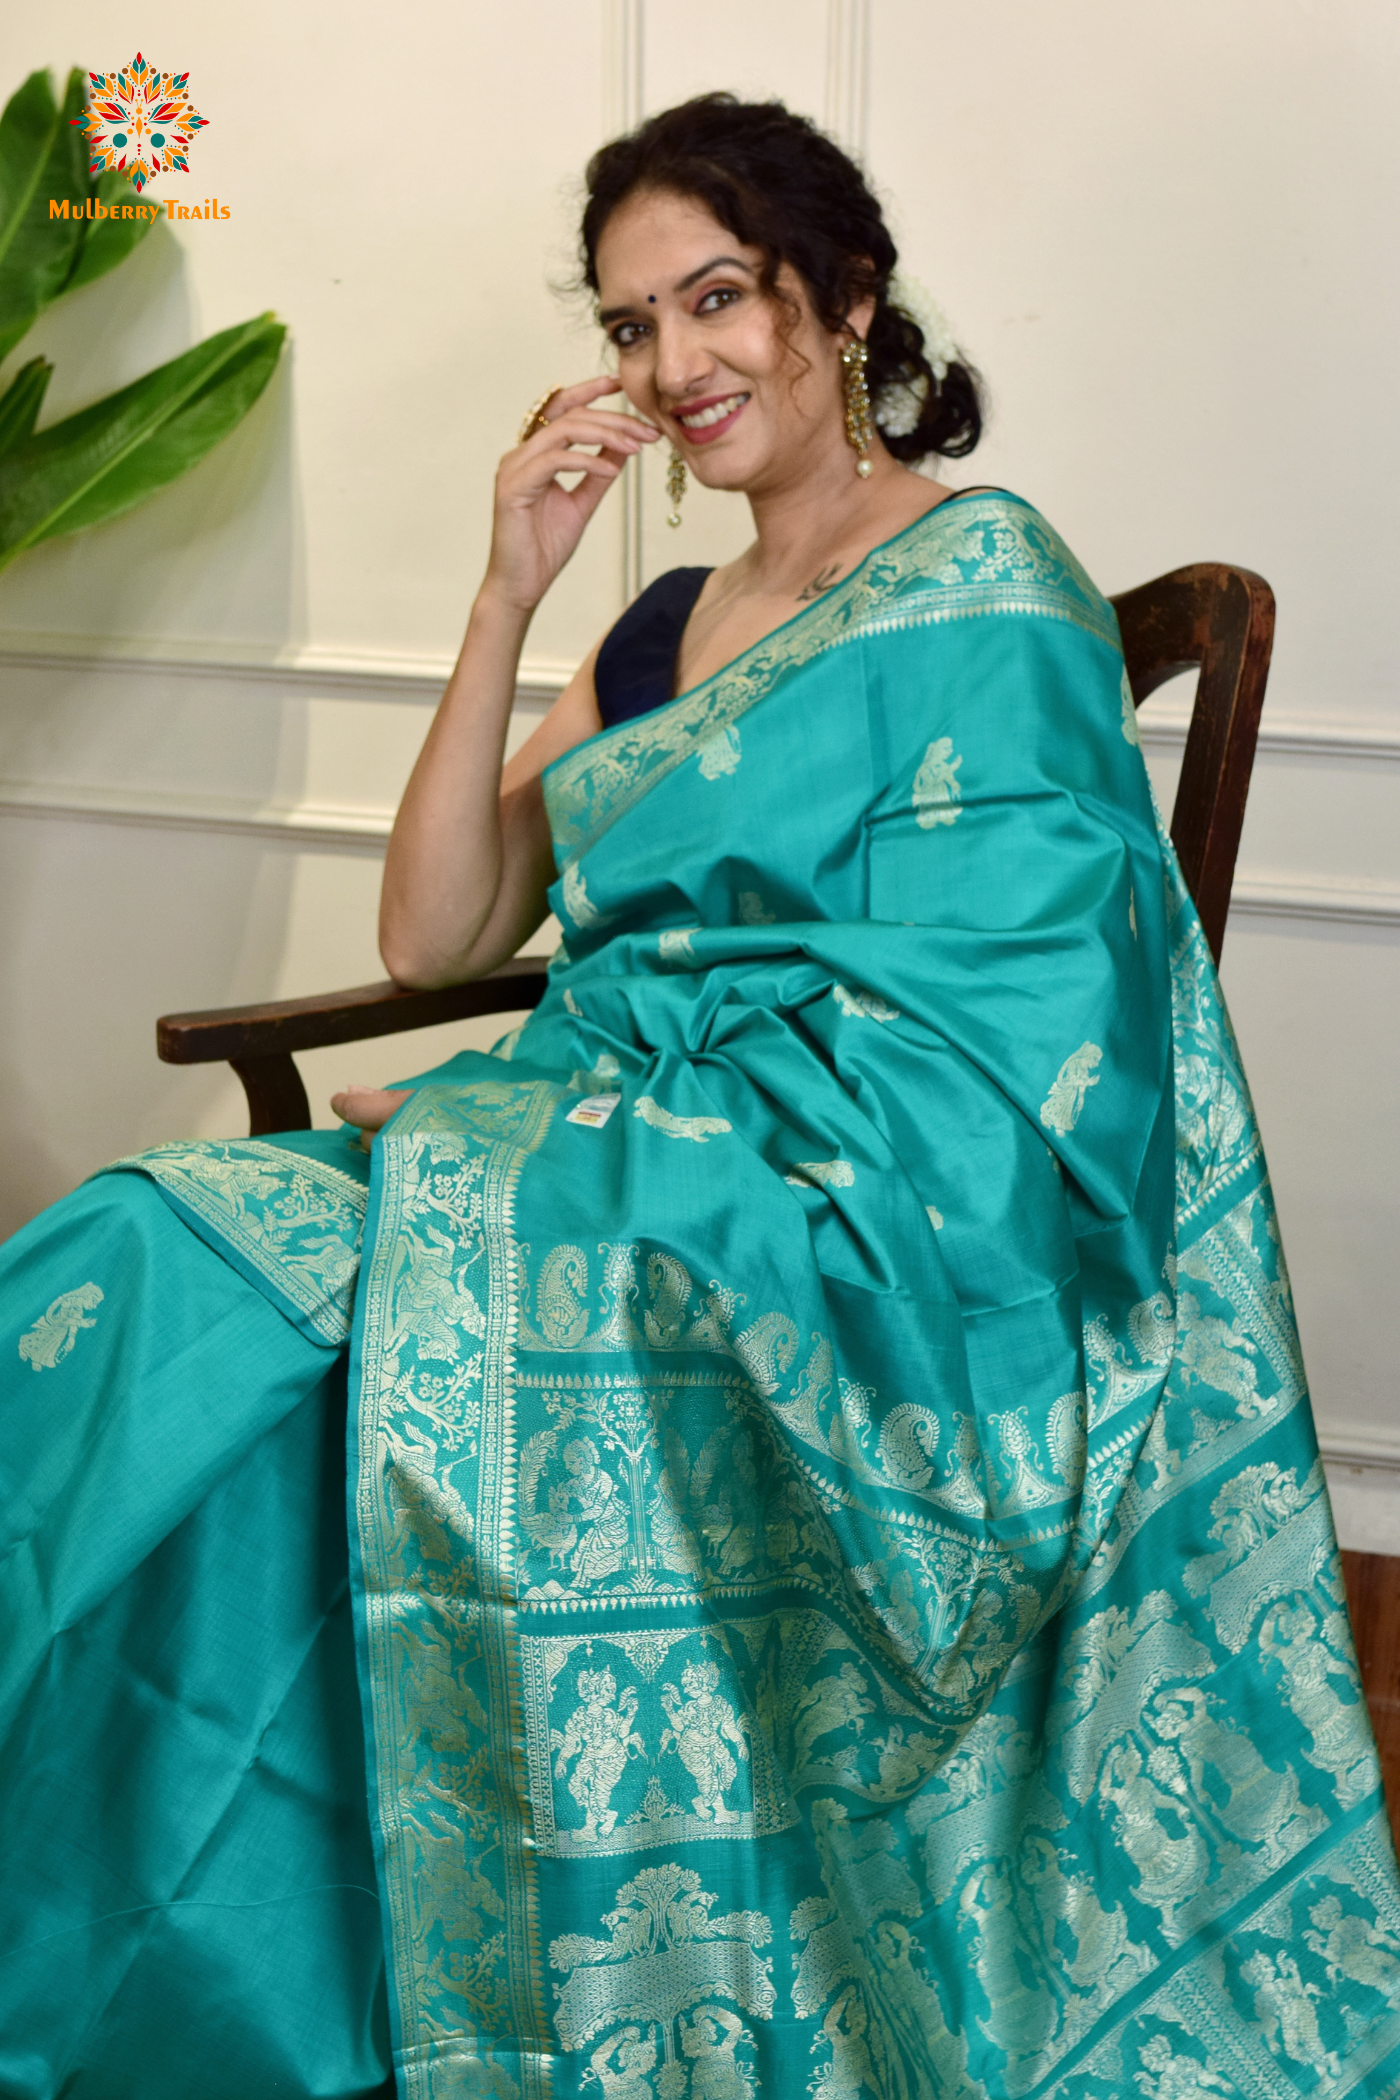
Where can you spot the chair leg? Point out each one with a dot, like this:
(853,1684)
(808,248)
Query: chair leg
(276,1097)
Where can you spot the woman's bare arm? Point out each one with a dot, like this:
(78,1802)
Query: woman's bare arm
(526,867)
(469,859)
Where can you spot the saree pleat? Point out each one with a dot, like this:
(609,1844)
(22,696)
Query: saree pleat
(843,1589)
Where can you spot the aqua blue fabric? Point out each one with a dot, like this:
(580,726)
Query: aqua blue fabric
(187,1902)
(842,1585)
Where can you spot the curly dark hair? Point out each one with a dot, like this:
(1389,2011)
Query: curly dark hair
(780,185)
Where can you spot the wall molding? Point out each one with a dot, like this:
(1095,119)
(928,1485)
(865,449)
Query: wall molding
(305,826)
(419,680)
(1163,726)
(624,65)
(624,106)
(846,114)
(295,671)
(1367,1446)
(311,827)
(1347,902)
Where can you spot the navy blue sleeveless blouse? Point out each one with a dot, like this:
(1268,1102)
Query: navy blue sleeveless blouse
(636,667)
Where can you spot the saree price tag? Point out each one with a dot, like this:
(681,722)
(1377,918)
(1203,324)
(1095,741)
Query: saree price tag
(593,1110)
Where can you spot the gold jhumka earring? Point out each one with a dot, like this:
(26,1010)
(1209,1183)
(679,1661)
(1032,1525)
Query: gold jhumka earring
(860,425)
(675,486)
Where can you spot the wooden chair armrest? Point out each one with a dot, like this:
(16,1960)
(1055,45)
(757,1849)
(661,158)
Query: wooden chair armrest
(223,1033)
(258,1041)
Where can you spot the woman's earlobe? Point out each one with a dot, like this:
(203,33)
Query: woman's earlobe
(860,317)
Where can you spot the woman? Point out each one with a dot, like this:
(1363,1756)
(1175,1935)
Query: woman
(843,1590)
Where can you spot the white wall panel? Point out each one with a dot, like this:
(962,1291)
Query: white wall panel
(1159,231)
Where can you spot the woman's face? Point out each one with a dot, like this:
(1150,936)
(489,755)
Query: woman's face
(743,388)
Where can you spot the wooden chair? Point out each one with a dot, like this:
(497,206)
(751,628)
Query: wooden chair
(1208,616)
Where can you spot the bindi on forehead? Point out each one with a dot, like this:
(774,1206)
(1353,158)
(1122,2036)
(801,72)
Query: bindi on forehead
(651,298)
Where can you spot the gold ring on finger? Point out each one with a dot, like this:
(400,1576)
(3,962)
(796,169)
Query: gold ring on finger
(537,418)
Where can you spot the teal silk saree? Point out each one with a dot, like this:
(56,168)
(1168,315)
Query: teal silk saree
(842,1590)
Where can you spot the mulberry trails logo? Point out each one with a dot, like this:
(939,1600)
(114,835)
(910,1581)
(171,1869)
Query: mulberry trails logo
(139,123)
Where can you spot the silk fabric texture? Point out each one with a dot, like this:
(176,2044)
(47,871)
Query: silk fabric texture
(843,1590)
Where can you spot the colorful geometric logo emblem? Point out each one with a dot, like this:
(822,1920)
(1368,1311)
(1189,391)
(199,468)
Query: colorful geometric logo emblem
(139,121)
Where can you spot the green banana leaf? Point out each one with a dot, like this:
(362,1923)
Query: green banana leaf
(113,455)
(21,401)
(106,242)
(42,158)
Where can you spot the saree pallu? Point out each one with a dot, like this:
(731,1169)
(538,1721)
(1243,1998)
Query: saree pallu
(844,1594)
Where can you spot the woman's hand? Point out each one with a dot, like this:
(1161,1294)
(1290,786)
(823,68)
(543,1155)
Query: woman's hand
(538,523)
(469,863)
(368,1108)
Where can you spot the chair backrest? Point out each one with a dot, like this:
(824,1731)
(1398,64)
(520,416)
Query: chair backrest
(1220,619)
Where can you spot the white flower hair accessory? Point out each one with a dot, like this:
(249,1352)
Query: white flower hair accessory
(900,404)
